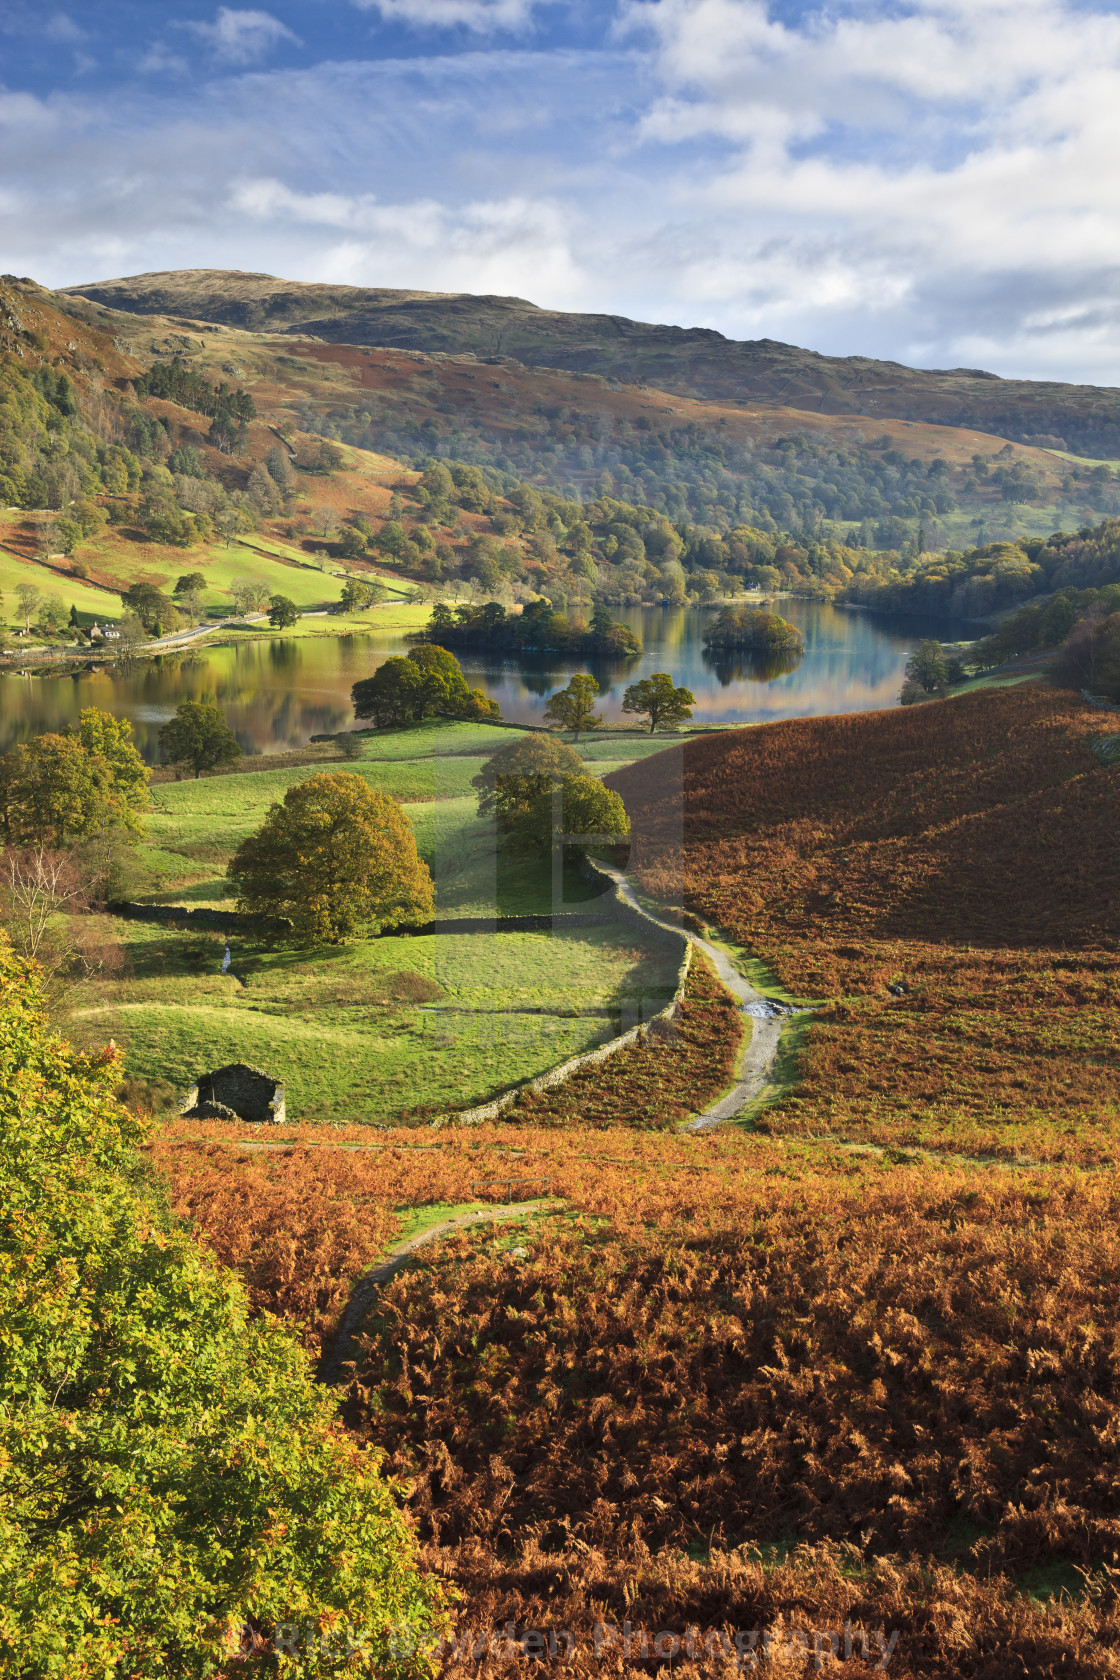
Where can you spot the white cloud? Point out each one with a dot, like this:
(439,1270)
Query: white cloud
(241,37)
(64,29)
(160,60)
(920,168)
(926,180)
(512,246)
(482,16)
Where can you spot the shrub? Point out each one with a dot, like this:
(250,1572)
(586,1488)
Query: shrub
(173,1485)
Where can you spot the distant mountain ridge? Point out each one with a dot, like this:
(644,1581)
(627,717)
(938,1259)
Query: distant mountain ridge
(692,361)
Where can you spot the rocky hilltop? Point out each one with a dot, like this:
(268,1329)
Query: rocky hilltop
(690,361)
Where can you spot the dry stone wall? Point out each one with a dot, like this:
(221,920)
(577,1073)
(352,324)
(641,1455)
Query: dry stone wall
(661,1022)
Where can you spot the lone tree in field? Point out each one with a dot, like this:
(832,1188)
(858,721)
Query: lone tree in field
(928,667)
(336,858)
(250,594)
(574,707)
(510,782)
(656,698)
(282,612)
(199,736)
(357,595)
(29,598)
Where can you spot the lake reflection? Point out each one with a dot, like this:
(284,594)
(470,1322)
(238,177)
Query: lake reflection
(278,693)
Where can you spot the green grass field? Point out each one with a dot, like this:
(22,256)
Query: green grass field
(71,591)
(396,615)
(333,1023)
(284,567)
(428,768)
(509,1006)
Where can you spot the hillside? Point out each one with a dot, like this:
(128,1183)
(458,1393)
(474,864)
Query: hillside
(694,361)
(823,1366)
(106,485)
(884,483)
(565,484)
(963,851)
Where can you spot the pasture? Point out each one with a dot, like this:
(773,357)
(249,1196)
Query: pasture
(379,1027)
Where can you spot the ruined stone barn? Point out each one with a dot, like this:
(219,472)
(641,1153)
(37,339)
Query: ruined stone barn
(236,1092)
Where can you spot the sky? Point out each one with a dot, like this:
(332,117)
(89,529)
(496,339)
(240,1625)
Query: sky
(935,182)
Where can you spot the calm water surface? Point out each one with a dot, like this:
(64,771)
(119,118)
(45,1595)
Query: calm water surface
(276,694)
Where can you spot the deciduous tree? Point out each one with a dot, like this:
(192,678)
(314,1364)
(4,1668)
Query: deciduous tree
(170,1474)
(576,812)
(656,698)
(1091,656)
(250,594)
(358,594)
(510,782)
(28,597)
(149,604)
(111,738)
(335,858)
(38,883)
(430,682)
(199,736)
(282,612)
(928,667)
(574,707)
(52,791)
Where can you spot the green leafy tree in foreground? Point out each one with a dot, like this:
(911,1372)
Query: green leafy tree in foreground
(56,789)
(335,858)
(199,736)
(171,1476)
(574,707)
(656,698)
(577,813)
(282,612)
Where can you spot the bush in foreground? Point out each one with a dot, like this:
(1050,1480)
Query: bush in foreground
(173,1486)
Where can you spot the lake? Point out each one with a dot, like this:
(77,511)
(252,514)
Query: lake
(278,693)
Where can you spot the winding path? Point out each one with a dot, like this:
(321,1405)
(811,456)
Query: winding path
(341,1348)
(753,1075)
(766,1017)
